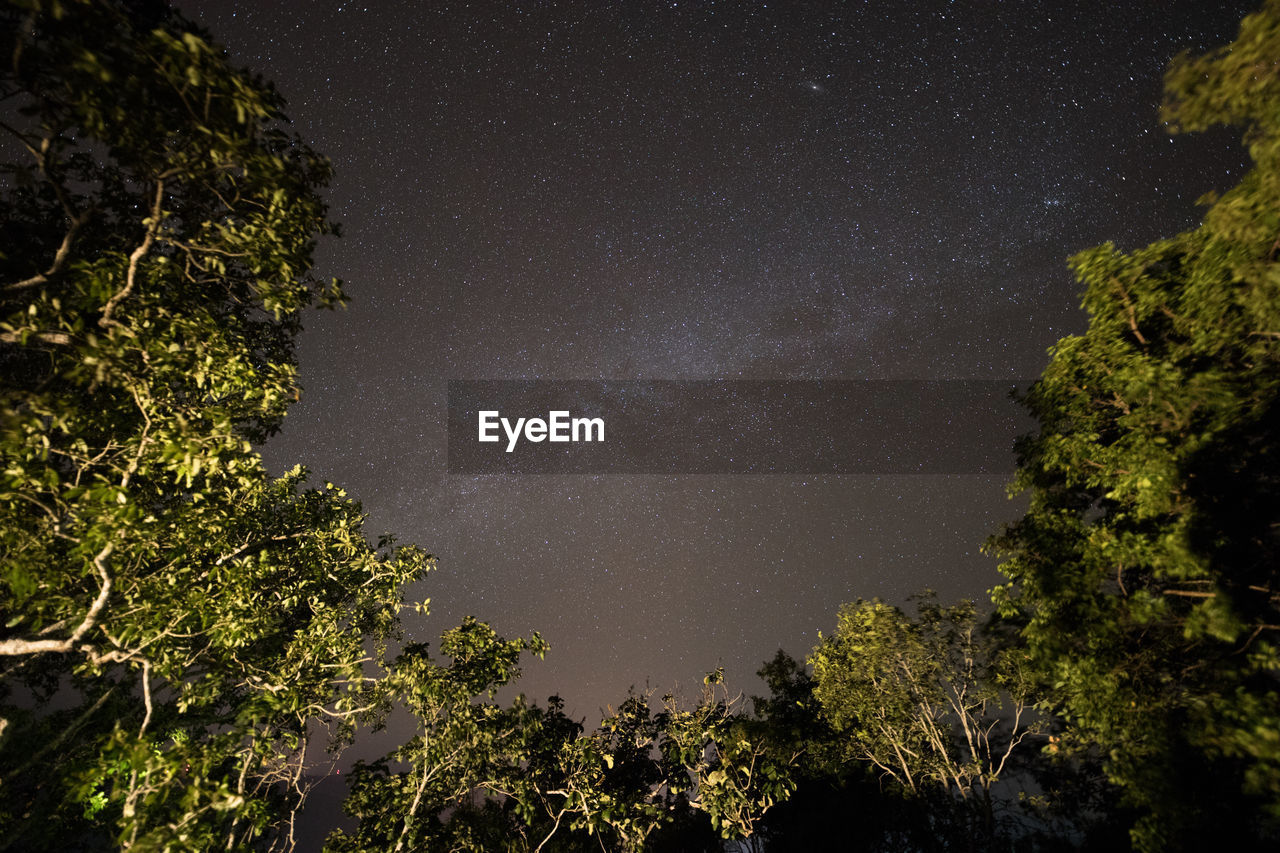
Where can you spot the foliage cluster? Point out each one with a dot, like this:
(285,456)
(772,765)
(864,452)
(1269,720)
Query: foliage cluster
(195,622)
(1145,573)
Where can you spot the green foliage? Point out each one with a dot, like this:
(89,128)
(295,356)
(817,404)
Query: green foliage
(1145,570)
(843,800)
(463,747)
(478,772)
(736,769)
(640,771)
(640,774)
(179,628)
(158,240)
(610,784)
(923,700)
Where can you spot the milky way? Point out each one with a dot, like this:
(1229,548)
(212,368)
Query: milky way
(689,191)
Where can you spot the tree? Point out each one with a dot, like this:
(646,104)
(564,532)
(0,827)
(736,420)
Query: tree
(736,769)
(180,631)
(922,699)
(610,783)
(194,623)
(463,747)
(1145,571)
(676,779)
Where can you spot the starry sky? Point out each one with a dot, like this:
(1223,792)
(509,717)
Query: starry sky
(637,190)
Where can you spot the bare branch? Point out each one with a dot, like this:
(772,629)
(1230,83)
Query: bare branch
(153,228)
(258,545)
(44,337)
(77,219)
(62,737)
(1187,593)
(146,696)
(1128,307)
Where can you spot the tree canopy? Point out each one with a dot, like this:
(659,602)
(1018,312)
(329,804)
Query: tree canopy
(934,702)
(195,621)
(1146,568)
(182,633)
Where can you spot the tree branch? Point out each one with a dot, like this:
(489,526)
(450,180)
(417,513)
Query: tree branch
(60,338)
(18,646)
(62,736)
(77,219)
(146,695)
(153,228)
(1128,307)
(258,546)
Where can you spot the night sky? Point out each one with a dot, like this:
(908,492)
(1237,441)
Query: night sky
(885,190)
